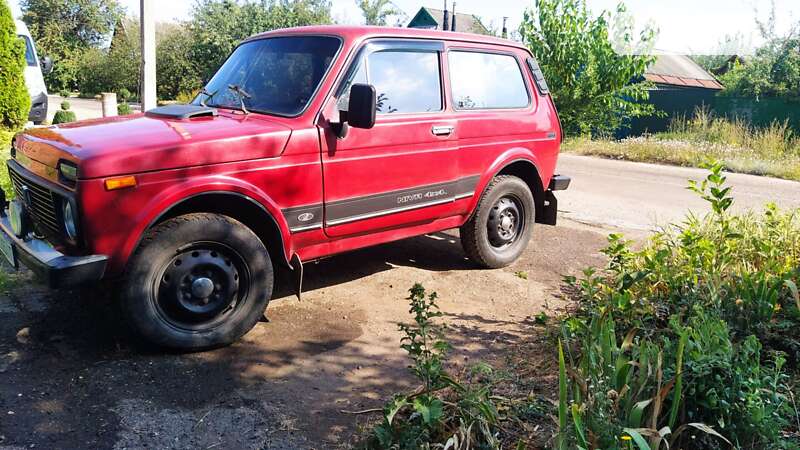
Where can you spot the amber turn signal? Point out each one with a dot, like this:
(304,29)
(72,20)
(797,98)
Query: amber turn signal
(120,182)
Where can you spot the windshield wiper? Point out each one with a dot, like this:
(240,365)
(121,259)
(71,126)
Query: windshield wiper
(242,94)
(209,96)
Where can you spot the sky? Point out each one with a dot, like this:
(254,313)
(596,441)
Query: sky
(685,26)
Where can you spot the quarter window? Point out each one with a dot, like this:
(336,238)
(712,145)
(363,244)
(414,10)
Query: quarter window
(405,81)
(486,81)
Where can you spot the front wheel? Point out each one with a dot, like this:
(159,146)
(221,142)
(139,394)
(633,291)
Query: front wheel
(500,228)
(198,281)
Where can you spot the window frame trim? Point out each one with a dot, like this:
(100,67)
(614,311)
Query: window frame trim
(398,45)
(488,51)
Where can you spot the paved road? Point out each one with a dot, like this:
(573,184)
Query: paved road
(639,196)
(84,108)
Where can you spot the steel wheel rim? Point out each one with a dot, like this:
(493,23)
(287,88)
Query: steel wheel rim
(201,286)
(506,222)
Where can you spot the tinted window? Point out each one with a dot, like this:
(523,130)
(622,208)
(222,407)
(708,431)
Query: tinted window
(30,58)
(485,80)
(406,81)
(280,74)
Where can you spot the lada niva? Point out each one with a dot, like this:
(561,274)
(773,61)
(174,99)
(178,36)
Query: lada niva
(306,143)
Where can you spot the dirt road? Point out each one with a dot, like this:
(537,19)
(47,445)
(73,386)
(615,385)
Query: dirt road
(71,378)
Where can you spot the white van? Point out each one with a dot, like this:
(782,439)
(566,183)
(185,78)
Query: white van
(34,78)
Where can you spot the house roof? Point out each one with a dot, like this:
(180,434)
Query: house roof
(680,70)
(433,18)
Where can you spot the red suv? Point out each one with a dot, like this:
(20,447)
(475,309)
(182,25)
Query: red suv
(306,143)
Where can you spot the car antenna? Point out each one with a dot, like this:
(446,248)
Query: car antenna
(208,95)
(242,94)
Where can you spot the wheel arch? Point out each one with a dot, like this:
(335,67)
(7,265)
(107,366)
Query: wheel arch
(237,206)
(527,171)
(521,167)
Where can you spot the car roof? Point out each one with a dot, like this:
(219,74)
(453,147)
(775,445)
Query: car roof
(22,29)
(352,33)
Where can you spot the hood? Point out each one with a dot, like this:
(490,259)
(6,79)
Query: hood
(142,143)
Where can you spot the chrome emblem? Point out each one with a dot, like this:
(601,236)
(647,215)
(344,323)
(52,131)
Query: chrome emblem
(305,217)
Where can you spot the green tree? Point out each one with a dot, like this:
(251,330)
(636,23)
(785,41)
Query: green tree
(377,11)
(115,68)
(774,71)
(65,29)
(217,26)
(594,65)
(14,99)
(177,72)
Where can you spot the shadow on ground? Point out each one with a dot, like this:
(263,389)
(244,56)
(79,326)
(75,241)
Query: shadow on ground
(71,376)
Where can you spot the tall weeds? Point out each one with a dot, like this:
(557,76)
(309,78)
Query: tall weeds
(709,310)
(740,147)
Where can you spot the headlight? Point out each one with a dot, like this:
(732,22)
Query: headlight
(18,218)
(69,221)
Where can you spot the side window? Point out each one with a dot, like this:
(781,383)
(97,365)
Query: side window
(406,81)
(486,81)
(30,58)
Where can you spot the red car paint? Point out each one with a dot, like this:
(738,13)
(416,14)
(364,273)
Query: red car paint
(297,167)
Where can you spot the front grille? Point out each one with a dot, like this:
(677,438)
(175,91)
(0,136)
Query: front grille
(40,202)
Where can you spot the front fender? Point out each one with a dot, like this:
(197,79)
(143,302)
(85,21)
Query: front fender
(120,218)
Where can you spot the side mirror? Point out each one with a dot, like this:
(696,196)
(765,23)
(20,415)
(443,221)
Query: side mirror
(363,106)
(47,65)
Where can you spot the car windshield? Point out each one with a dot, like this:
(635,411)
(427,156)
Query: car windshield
(279,75)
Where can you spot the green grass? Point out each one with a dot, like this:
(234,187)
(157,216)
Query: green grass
(773,151)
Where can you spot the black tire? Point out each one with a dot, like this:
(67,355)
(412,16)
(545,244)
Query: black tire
(486,237)
(197,282)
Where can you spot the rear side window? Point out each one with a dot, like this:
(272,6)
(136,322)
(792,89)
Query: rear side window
(406,81)
(486,81)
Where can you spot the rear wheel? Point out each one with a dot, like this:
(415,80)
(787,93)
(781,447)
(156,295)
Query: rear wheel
(198,281)
(499,230)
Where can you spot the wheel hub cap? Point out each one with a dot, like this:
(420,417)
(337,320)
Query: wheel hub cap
(202,287)
(505,222)
(198,286)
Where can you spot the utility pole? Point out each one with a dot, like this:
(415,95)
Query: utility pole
(148,73)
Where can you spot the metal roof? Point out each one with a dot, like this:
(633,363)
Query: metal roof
(680,70)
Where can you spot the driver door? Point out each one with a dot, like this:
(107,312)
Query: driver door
(404,171)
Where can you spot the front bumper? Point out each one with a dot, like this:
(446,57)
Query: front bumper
(55,268)
(38,112)
(548,213)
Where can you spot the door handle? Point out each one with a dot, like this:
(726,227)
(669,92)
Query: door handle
(442,130)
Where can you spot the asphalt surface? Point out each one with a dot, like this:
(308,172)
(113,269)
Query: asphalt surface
(638,196)
(83,108)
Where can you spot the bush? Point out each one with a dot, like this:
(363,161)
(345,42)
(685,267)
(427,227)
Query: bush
(64,116)
(124,109)
(709,309)
(442,411)
(64,93)
(123,95)
(65,105)
(15,103)
(187,97)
